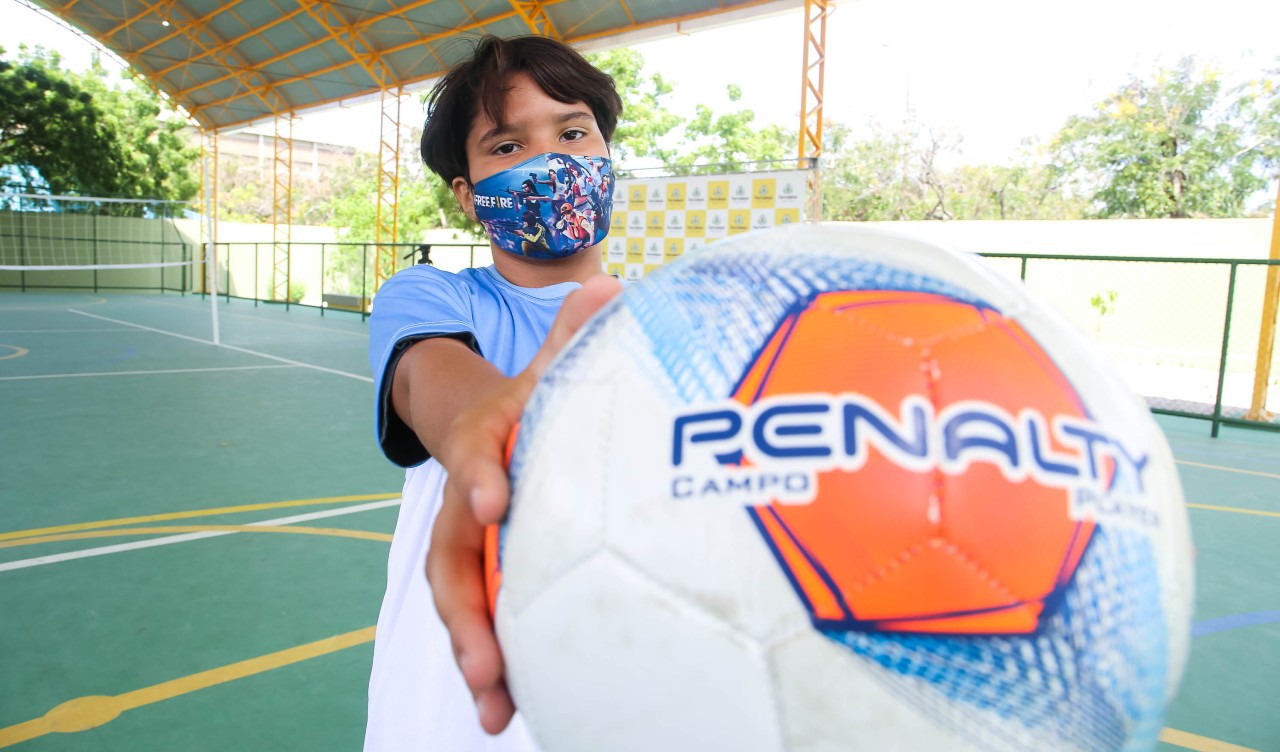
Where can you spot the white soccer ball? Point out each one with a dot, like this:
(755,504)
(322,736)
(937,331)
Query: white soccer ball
(833,489)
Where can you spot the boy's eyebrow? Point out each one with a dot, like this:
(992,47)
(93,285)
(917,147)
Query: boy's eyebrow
(499,131)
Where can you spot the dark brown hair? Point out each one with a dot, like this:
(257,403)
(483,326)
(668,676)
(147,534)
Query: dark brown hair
(483,81)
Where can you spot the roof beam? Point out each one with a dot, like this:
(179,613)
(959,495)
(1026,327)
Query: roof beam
(534,13)
(198,33)
(355,27)
(343,32)
(338,66)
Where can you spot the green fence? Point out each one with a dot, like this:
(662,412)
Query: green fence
(328,276)
(1183,332)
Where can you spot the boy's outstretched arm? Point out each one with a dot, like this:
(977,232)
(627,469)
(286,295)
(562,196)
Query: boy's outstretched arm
(463,409)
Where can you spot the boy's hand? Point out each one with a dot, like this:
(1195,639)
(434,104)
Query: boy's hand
(476,495)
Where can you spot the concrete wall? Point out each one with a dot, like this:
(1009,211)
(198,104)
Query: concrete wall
(1206,238)
(1165,328)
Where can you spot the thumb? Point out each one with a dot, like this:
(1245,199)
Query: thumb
(578,307)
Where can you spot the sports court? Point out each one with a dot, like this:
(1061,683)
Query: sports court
(193,539)
(194,526)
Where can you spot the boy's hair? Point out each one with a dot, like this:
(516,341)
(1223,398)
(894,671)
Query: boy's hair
(482,82)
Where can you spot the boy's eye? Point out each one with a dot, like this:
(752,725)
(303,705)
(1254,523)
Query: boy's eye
(507,148)
(574,134)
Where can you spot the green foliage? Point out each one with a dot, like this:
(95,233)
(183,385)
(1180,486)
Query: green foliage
(899,175)
(645,118)
(869,180)
(1176,146)
(82,133)
(732,138)
(424,202)
(649,130)
(1104,304)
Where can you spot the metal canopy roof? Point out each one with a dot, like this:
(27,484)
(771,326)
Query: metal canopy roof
(232,63)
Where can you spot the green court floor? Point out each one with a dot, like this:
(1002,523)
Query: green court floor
(193,539)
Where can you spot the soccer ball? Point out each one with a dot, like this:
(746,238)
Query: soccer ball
(828,489)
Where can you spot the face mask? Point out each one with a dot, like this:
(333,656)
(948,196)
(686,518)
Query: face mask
(550,206)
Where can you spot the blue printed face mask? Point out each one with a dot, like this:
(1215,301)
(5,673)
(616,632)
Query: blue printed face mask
(550,206)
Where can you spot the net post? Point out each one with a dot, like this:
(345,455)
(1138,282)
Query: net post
(22,248)
(364,282)
(95,251)
(209,186)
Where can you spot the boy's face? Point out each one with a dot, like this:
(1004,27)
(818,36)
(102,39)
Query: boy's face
(536,124)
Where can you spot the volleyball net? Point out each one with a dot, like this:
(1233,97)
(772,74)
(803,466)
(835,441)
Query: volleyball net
(78,242)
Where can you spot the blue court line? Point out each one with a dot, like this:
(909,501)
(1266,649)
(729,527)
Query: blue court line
(1233,621)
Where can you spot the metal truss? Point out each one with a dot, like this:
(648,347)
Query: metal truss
(534,13)
(815,46)
(388,187)
(196,31)
(281,206)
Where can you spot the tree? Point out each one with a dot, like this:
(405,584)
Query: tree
(48,125)
(645,121)
(892,175)
(731,137)
(648,129)
(1261,100)
(80,133)
(1029,188)
(1172,147)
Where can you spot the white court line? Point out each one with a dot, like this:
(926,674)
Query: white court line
(135,373)
(140,326)
(251,317)
(224,345)
(170,539)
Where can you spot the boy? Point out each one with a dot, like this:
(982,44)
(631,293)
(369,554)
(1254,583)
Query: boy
(454,358)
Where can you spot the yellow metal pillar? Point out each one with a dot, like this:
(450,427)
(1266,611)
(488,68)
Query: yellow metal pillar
(815,46)
(534,13)
(281,206)
(388,187)
(1267,333)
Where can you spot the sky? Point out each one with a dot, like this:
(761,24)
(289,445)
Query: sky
(991,72)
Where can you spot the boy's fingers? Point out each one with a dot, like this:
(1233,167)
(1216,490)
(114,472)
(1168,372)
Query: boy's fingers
(456,578)
(495,708)
(475,494)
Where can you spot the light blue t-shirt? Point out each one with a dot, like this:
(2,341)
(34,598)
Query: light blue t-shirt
(503,323)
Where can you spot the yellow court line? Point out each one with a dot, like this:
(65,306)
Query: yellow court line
(18,352)
(84,713)
(194,513)
(1236,510)
(336,532)
(1229,469)
(1199,743)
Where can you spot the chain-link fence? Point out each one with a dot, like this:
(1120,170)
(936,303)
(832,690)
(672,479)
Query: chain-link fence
(338,276)
(1184,332)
